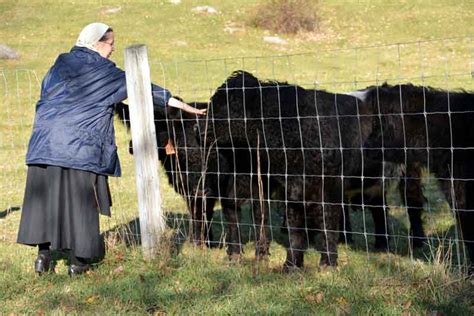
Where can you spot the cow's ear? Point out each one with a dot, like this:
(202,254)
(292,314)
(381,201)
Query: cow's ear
(169,148)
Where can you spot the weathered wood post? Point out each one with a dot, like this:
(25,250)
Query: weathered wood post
(152,221)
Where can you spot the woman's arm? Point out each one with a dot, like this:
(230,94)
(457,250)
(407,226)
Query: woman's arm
(185,107)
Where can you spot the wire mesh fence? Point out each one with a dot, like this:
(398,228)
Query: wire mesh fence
(308,151)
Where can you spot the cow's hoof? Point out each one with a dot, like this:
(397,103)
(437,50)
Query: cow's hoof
(325,268)
(291,268)
(262,257)
(235,257)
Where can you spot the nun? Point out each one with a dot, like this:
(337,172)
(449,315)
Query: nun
(72,152)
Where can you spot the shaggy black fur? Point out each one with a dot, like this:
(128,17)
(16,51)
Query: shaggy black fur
(305,140)
(432,128)
(209,173)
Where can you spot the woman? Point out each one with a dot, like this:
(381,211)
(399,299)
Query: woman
(72,151)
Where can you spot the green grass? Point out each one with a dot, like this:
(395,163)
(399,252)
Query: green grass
(359,43)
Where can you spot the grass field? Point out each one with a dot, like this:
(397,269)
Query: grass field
(358,43)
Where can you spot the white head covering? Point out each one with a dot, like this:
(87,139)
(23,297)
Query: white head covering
(91,34)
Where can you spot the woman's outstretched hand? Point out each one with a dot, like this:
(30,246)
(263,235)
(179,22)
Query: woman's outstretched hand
(186,107)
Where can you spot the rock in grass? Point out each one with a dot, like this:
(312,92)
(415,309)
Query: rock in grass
(111,10)
(205,9)
(7,52)
(275,40)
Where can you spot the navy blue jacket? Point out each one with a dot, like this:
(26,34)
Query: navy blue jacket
(73,125)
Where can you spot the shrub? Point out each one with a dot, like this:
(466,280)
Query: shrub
(287,16)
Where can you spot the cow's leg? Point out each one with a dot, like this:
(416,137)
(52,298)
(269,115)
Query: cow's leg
(208,223)
(330,226)
(209,211)
(466,222)
(195,205)
(202,211)
(329,219)
(262,243)
(461,197)
(380,217)
(232,215)
(411,191)
(296,234)
(345,236)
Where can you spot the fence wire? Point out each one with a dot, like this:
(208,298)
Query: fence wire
(274,162)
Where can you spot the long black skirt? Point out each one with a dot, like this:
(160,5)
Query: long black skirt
(61,206)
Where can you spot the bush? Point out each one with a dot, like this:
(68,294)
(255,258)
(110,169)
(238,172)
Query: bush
(287,16)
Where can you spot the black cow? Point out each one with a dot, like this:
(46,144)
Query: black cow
(432,128)
(216,175)
(203,177)
(306,142)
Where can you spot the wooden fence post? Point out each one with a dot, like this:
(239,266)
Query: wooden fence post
(152,221)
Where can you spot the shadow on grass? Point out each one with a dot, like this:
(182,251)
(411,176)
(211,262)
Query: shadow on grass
(208,285)
(130,234)
(440,243)
(204,283)
(9,210)
(441,240)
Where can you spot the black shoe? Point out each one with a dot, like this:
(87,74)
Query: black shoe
(43,264)
(76,269)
